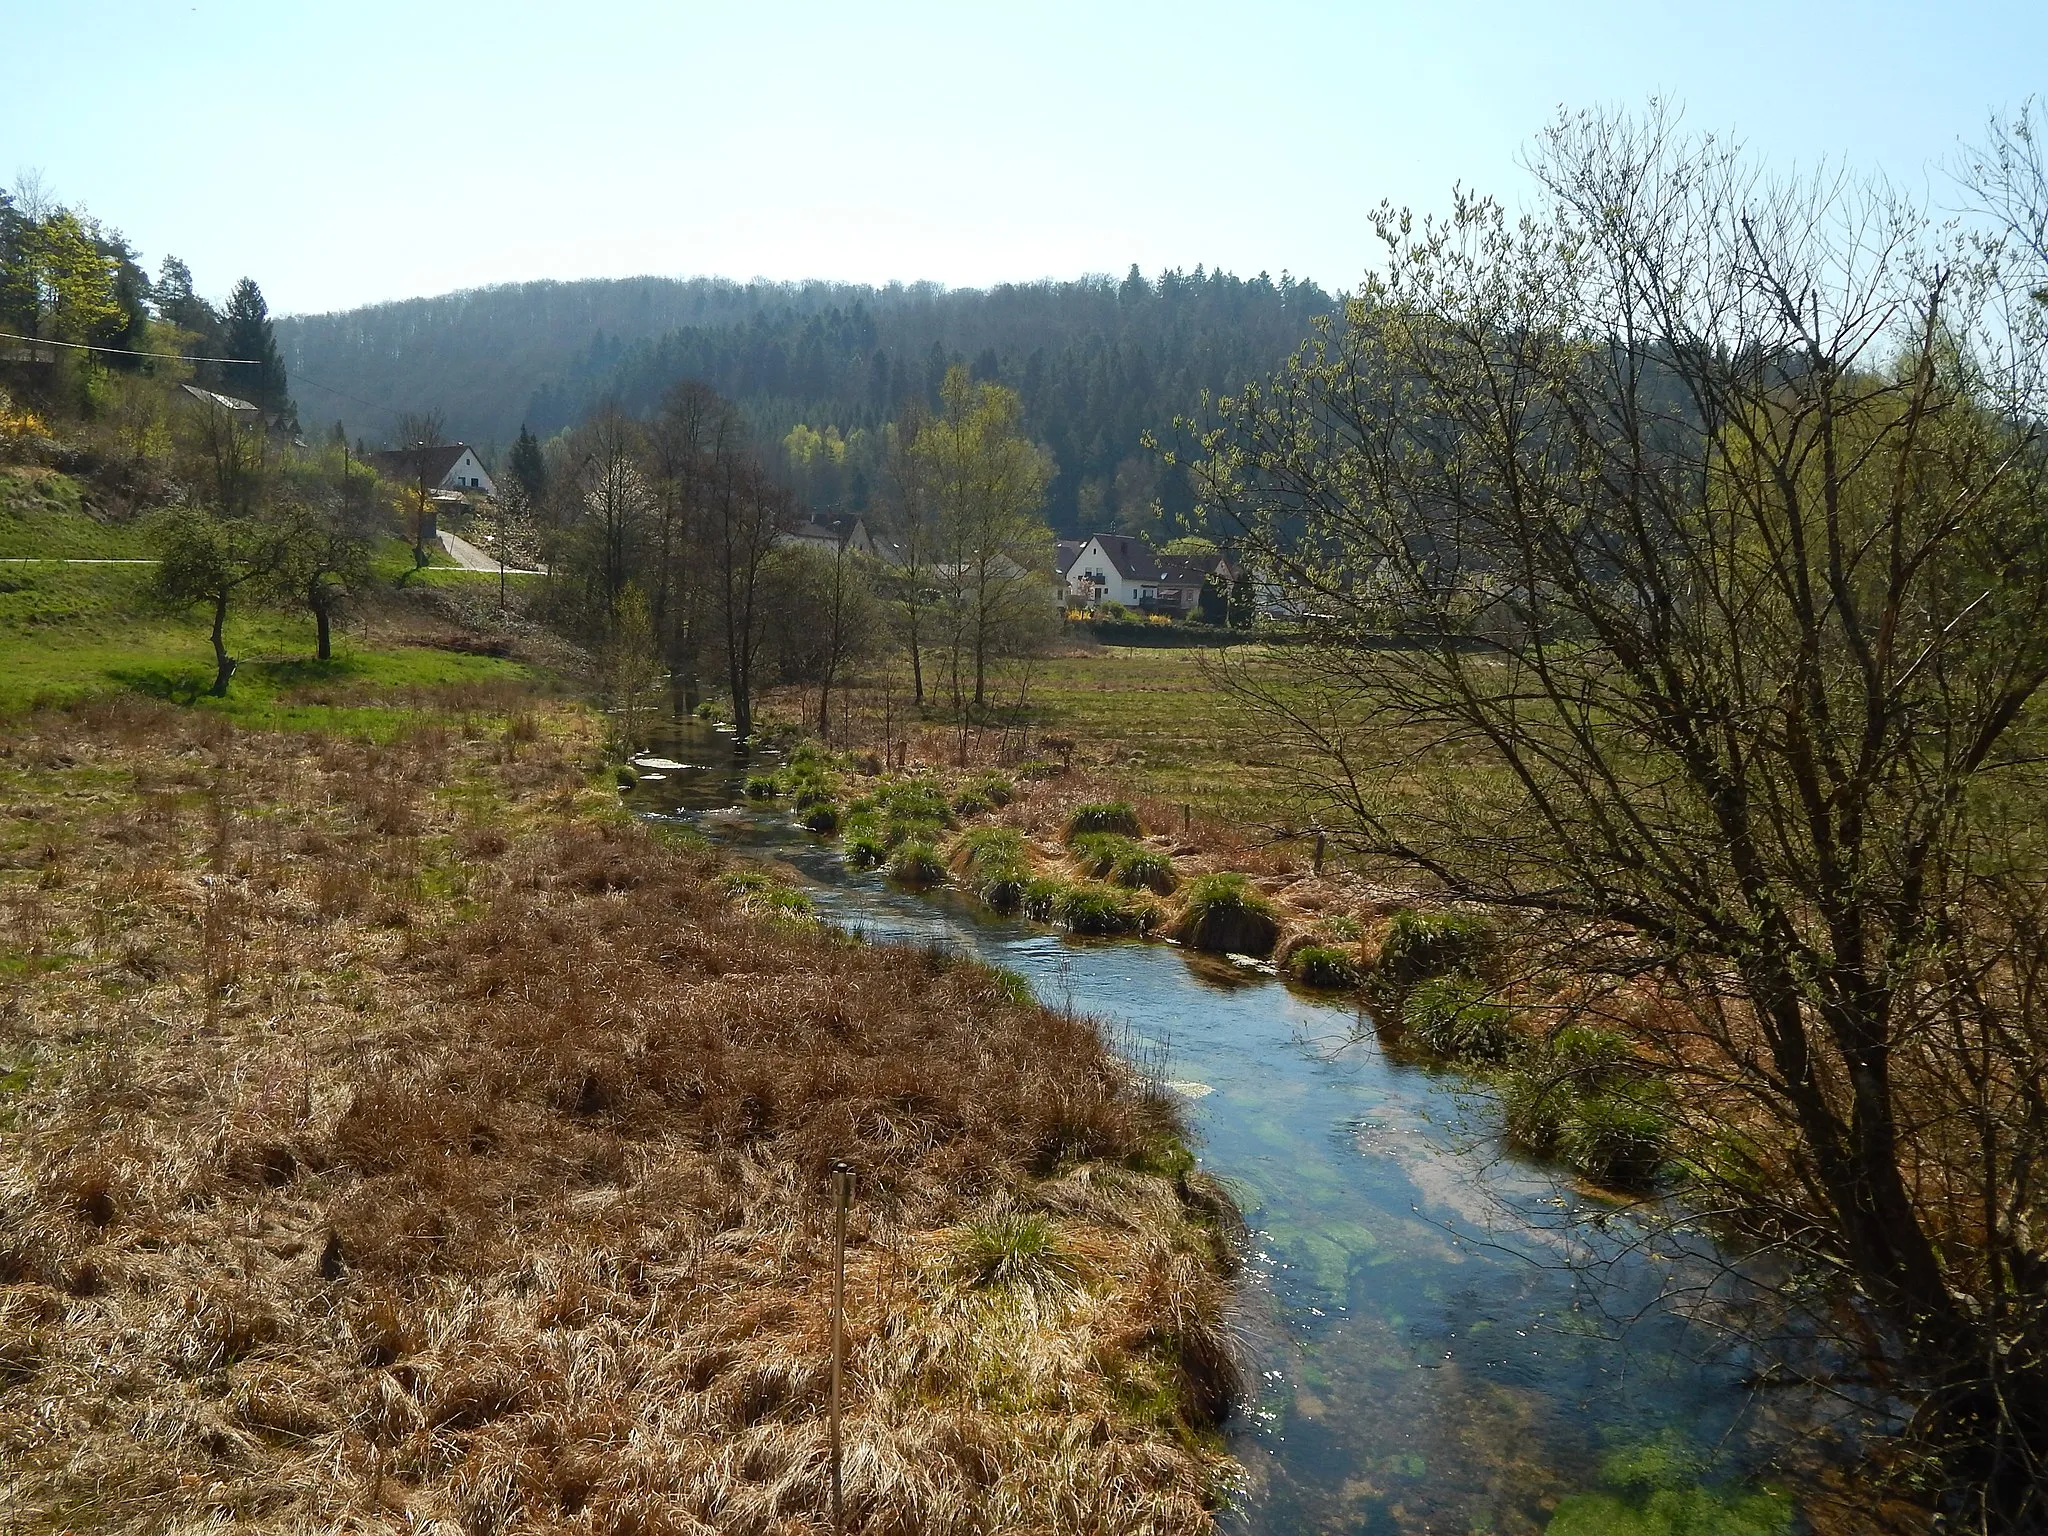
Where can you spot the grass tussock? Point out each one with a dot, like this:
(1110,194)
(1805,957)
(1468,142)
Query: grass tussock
(1223,913)
(1117,816)
(398,1137)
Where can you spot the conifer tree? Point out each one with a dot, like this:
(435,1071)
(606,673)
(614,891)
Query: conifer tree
(248,336)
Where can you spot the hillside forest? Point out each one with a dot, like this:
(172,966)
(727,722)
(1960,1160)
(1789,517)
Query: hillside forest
(1096,364)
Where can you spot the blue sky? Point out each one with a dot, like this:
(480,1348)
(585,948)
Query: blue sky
(342,154)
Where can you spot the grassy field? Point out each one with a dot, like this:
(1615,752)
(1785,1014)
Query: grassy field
(72,631)
(1159,719)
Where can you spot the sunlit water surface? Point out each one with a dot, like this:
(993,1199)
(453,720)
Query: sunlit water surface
(1446,1338)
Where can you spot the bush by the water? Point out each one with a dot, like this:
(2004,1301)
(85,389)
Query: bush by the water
(993,860)
(1450,1017)
(917,863)
(862,848)
(762,786)
(1105,816)
(821,816)
(1224,914)
(1103,910)
(1113,856)
(1324,966)
(1420,945)
(1583,1097)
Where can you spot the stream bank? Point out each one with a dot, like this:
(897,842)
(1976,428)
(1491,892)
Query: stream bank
(1445,1337)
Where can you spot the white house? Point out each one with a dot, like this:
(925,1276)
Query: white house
(1118,568)
(830,533)
(447,467)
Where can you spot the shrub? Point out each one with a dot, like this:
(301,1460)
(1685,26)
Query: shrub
(1224,914)
(1146,869)
(1012,1248)
(1450,1017)
(1613,1139)
(1104,816)
(863,849)
(1321,965)
(988,847)
(915,800)
(1042,898)
(1098,852)
(1420,945)
(917,863)
(1583,1097)
(821,817)
(1098,910)
(762,786)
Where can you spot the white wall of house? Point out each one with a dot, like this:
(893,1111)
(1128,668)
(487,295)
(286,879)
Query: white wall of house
(1093,577)
(467,474)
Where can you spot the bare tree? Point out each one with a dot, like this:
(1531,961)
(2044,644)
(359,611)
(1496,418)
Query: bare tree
(1677,561)
(681,440)
(745,513)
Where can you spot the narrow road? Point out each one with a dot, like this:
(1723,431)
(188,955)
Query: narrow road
(70,560)
(470,558)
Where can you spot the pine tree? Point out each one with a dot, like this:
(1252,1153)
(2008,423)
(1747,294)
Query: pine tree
(528,467)
(249,336)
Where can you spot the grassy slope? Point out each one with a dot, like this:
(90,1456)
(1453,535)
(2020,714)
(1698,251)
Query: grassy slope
(71,631)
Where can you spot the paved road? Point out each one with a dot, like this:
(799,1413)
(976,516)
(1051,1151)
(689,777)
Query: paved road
(470,558)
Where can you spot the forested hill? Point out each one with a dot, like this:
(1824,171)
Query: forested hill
(1098,362)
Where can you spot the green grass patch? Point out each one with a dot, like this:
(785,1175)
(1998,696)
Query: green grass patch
(1324,967)
(1224,914)
(1450,1018)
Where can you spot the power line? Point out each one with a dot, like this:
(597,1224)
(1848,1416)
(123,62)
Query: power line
(180,357)
(170,357)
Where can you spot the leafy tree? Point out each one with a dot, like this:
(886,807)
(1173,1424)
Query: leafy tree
(986,482)
(206,558)
(321,562)
(1716,512)
(56,281)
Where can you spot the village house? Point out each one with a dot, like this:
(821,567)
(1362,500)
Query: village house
(444,467)
(831,533)
(1121,568)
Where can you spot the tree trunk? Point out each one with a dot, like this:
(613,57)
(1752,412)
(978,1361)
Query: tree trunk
(322,641)
(223,663)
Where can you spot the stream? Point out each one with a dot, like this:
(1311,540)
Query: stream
(1443,1337)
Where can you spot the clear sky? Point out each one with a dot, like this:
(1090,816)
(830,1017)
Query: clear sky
(342,154)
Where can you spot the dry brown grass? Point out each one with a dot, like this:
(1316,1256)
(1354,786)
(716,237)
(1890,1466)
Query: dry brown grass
(395,1139)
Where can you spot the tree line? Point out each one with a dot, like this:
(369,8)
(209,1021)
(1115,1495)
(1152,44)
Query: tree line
(67,278)
(677,546)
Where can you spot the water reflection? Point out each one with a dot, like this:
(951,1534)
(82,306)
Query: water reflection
(1446,1338)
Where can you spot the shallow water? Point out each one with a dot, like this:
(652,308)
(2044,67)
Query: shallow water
(1448,1338)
